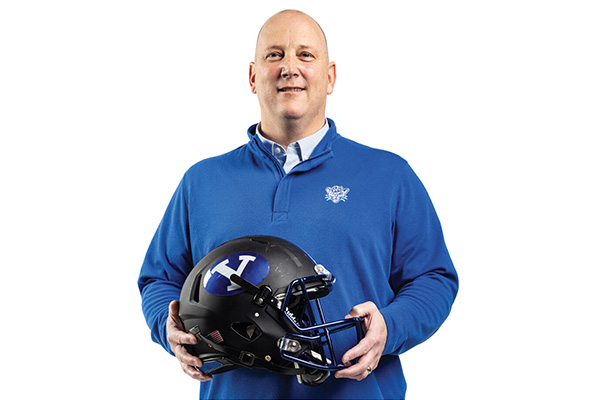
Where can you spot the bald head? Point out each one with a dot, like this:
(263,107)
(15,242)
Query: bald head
(291,18)
(291,74)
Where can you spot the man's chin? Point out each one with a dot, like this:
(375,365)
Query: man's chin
(292,115)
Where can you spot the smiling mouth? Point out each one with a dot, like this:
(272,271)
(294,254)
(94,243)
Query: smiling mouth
(291,89)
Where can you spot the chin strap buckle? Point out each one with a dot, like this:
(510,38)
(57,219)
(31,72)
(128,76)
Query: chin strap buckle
(247,358)
(263,295)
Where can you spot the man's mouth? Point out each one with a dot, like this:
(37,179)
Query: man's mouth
(290,89)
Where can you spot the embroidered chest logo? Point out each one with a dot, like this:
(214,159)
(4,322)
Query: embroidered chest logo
(336,193)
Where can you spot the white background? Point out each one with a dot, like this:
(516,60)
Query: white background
(105,104)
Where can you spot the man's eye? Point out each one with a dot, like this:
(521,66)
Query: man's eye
(306,55)
(273,55)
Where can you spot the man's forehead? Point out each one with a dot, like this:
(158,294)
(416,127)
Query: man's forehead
(291,28)
(282,45)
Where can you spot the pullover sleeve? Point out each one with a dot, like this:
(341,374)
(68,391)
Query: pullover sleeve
(166,265)
(422,274)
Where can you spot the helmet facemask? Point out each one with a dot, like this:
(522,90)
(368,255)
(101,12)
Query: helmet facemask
(310,344)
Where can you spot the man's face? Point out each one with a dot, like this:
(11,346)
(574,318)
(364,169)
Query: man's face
(291,74)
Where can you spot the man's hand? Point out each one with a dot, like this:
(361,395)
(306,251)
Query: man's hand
(177,338)
(370,348)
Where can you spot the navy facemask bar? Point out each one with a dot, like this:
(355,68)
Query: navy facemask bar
(301,347)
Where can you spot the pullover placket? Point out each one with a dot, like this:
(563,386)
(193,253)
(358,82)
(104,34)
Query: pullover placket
(281,197)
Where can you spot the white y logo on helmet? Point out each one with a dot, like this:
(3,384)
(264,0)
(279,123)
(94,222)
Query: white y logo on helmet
(251,266)
(224,269)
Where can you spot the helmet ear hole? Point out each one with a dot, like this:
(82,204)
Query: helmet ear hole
(195,292)
(247,330)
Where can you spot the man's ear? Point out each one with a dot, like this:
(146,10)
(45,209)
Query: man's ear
(332,75)
(252,77)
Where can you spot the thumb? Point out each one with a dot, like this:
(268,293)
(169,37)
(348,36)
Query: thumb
(361,310)
(174,314)
(174,308)
(178,330)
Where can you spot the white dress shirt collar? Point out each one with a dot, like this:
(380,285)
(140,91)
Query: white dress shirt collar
(296,152)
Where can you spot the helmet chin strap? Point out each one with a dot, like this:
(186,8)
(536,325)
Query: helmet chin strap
(262,294)
(247,286)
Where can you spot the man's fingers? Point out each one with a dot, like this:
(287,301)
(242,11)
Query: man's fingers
(175,333)
(175,337)
(186,358)
(194,373)
(370,348)
(359,350)
(180,337)
(368,353)
(359,370)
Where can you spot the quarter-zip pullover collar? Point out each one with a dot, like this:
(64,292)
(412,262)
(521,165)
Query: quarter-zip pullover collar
(322,148)
(296,152)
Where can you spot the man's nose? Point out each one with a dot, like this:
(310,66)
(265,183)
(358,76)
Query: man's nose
(289,67)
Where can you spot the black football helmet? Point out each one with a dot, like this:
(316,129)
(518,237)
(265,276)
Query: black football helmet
(254,302)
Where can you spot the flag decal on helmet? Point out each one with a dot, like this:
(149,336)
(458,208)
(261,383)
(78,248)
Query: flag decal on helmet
(215,337)
(252,267)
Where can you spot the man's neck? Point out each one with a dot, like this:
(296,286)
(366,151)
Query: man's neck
(289,131)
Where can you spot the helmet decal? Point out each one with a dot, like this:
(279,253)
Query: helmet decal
(251,266)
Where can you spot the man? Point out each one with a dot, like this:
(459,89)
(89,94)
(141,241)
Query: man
(360,212)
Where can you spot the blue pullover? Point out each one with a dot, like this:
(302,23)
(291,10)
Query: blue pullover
(360,212)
